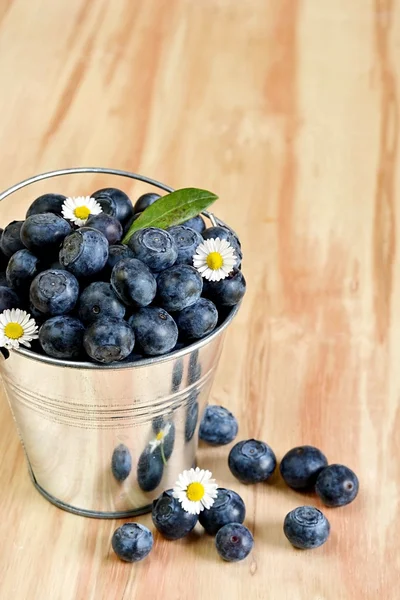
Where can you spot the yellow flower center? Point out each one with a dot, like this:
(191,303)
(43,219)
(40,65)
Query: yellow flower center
(160,436)
(195,491)
(82,212)
(13,331)
(214,261)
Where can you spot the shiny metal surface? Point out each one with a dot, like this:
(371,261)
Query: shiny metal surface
(72,416)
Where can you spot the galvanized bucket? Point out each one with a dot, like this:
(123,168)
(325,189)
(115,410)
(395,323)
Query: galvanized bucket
(71,416)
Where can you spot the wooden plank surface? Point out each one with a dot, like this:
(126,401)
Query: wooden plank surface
(289,110)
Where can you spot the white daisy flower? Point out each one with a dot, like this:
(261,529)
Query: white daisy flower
(17,327)
(159,439)
(195,490)
(214,259)
(78,209)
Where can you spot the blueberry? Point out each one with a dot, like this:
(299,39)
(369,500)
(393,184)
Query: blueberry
(228,507)
(8,299)
(234,542)
(197,320)
(223,233)
(228,291)
(22,268)
(192,416)
(84,252)
(43,234)
(3,278)
(39,317)
(252,461)
(144,202)
(306,527)
(149,470)
(155,247)
(301,466)
(10,241)
(109,226)
(114,202)
(178,287)
(337,485)
(98,301)
(121,462)
(62,337)
(132,542)
(187,241)
(155,330)
(218,426)
(170,519)
(48,203)
(54,292)
(108,340)
(133,282)
(196,223)
(116,253)
(128,224)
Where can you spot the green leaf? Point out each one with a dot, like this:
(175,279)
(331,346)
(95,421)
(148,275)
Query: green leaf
(172,209)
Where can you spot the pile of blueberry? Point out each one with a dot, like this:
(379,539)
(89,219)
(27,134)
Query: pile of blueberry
(96,298)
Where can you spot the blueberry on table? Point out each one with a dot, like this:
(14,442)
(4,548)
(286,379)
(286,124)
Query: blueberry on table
(187,241)
(196,223)
(150,470)
(42,234)
(223,233)
(132,542)
(228,291)
(228,507)
(155,330)
(109,226)
(108,340)
(114,202)
(178,287)
(218,426)
(133,282)
(155,247)
(234,542)
(337,485)
(10,241)
(301,466)
(170,519)
(252,461)
(144,202)
(198,320)
(97,301)
(62,337)
(121,462)
(84,252)
(306,527)
(48,203)
(8,299)
(54,292)
(116,252)
(22,268)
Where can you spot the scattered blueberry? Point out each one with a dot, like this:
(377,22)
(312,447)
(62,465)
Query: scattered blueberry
(132,542)
(218,426)
(150,470)
(192,416)
(144,202)
(97,301)
(170,519)
(198,320)
(54,292)
(43,234)
(155,247)
(178,287)
(155,330)
(187,241)
(22,268)
(10,241)
(252,461)
(133,282)
(234,542)
(223,233)
(48,203)
(84,252)
(108,340)
(306,527)
(301,466)
(109,226)
(337,485)
(228,291)
(121,462)
(116,253)
(196,223)
(114,202)
(8,299)
(62,337)
(228,507)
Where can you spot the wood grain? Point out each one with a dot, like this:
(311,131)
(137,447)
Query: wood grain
(289,110)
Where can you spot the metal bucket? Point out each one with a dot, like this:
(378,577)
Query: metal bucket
(71,416)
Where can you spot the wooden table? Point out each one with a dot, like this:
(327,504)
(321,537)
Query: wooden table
(289,110)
